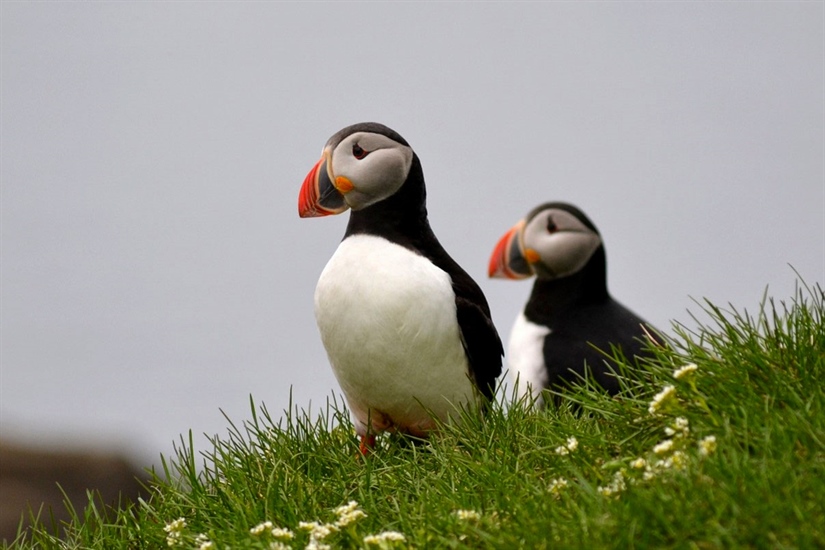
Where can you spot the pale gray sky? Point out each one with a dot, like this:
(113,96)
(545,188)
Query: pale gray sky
(155,270)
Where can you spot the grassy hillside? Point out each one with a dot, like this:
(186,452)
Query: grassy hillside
(720,442)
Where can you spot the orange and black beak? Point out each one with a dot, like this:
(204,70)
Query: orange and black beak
(318,196)
(508,260)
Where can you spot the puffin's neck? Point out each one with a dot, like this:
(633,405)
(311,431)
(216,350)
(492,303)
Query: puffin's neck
(552,297)
(401,217)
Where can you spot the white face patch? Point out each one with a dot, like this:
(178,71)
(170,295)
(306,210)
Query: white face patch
(382,169)
(561,240)
(525,358)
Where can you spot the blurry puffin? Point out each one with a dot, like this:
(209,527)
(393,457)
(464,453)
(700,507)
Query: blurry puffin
(569,310)
(408,333)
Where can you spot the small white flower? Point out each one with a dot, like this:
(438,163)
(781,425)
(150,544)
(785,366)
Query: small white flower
(346,508)
(282,533)
(679,460)
(278,546)
(176,526)
(321,532)
(570,446)
(617,485)
(663,447)
(684,371)
(707,445)
(680,427)
(467,515)
(386,536)
(661,399)
(260,528)
(349,517)
(204,543)
(173,531)
(639,463)
(314,544)
(557,485)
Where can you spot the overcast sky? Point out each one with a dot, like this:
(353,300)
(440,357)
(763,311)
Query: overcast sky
(155,270)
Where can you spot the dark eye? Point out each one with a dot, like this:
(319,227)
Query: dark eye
(358,152)
(551,226)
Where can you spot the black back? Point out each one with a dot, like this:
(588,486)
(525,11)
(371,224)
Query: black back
(581,314)
(402,219)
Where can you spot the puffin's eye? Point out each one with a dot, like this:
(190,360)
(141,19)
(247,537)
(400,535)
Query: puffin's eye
(358,152)
(551,226)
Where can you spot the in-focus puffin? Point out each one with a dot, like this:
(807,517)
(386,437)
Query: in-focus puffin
(408,333)
(570,310)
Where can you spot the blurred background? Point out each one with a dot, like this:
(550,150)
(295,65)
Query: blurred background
(155,272)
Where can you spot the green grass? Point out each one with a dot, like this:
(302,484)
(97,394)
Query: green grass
(757,388)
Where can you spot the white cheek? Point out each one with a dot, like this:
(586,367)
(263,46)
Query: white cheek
(566,253)
(378,175)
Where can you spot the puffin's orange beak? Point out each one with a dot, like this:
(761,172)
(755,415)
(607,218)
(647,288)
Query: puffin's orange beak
(318,196)
(508,261)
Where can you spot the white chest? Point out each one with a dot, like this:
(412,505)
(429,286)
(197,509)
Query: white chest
(387,318)
(525,354)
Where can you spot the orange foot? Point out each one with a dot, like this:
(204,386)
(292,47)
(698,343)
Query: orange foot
(367,444)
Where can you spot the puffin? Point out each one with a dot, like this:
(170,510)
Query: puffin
(407,331)
(570,324)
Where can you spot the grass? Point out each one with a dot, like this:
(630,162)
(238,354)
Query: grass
(744,466)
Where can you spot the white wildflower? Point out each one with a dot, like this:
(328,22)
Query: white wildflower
(282,533)
(346,508)
(203,542)
(260,528)
(386,536)
(314,544)
(349,517)
(307,525)
(279,546)
(173,531)
(176,526)
(348,513)
(684,371)
(467,515)
(557,485)
(680,427)
(639,463)
(679,460)
(321,532)
(317,531)
(707,445)
(616,485)
(570,446)
(661,399)
(663,447)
